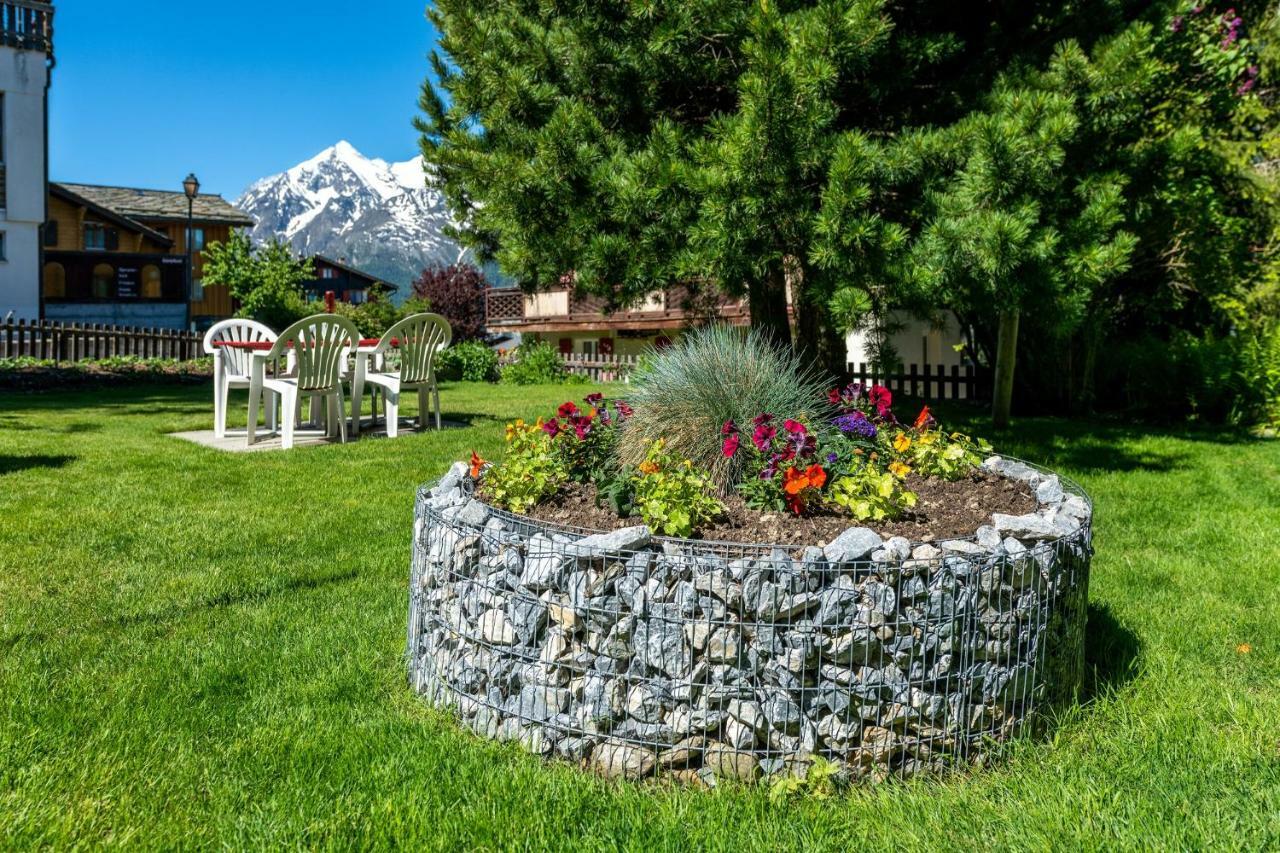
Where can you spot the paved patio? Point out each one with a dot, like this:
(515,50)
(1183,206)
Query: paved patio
(308,435)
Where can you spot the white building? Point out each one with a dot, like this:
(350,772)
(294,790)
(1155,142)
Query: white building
(26,59)
(914,342)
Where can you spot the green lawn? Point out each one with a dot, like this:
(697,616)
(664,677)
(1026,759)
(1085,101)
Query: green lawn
(205,649)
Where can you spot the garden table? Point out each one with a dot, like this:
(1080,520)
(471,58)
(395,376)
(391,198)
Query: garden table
(365,348)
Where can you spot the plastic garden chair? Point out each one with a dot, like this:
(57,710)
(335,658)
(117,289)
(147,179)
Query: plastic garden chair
(320,346)
(418,338)
(233,366)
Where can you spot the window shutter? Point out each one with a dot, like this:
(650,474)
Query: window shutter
(606,346)
(112,240)
(566,346)
(51,233)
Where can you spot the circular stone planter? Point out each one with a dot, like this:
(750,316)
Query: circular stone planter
(637,655)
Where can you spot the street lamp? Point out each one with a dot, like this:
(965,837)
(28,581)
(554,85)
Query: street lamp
(190,186)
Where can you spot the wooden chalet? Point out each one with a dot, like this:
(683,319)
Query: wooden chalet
(347,283)
(118,255)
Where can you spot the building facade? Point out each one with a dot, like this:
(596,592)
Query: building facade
(118,255)
(26,63)
(347,283)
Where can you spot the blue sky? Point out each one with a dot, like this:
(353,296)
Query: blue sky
(145,91)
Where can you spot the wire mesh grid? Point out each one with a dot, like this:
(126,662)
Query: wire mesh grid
(637,657)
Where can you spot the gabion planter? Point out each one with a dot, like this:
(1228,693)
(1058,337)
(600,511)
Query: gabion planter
(636,655)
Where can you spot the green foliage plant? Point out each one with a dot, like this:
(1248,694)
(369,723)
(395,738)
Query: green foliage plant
(469,361)
(671,495)
(870,493)
(265,279)
(538,363)
(379,313)
(530,471)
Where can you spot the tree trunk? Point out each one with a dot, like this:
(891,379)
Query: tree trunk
(767,300)
(1006,358)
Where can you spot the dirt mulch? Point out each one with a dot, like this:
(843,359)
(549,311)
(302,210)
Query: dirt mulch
(944,510)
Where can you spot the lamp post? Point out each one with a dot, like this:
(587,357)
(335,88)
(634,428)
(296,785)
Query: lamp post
(190,186)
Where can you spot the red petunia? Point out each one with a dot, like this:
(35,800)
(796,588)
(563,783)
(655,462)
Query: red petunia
(730,445)
(567,409)
(880,397)
(551,427)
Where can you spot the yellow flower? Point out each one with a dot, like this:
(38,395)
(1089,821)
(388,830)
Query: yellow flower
(898,469)
(902,442)
(648,467)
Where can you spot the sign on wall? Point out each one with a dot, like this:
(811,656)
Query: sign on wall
(127,282)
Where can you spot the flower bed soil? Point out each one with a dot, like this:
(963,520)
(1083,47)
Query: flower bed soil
(944,510)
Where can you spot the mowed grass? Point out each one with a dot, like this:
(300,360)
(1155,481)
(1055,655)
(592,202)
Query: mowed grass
(202,649)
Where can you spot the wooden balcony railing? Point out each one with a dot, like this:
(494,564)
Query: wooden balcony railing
(27,25)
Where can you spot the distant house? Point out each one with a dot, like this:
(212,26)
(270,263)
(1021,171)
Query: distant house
(347,283)
(576,324)
(26,63)
(118,255)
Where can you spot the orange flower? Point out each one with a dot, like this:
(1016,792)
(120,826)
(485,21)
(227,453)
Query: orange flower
(1244,648)
(647,467)
(795,481)
(476,464)
(922,419)
(902,442)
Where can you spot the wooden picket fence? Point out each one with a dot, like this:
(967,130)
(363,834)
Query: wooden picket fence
(67,342)
(934,382)
(600,368)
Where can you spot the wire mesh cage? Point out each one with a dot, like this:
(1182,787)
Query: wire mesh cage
(636,656)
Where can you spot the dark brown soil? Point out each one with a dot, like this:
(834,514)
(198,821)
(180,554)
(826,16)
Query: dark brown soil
(944,510)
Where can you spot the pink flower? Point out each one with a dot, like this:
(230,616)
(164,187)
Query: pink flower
(567,409)
(881,398)
(729,427)
(763,418)
(593,399)
(730,446)
(551,427)
(623,409)
(762,438)
(794,426)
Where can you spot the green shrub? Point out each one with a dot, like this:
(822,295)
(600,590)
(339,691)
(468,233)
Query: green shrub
(374,317)
(686,392)
(469,361)
(529,473)
(671,496)
(537,363)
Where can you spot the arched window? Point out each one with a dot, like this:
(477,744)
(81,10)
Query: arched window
(103,282)
(55,281)
(151,282)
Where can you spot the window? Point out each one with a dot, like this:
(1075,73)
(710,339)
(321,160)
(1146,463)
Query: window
(2,180)
(197,289)
(51,233)
(2,255)
(102,285)
(95,236)
(197,239)
(55,281)
(328,272)
(151,282)
(588,347)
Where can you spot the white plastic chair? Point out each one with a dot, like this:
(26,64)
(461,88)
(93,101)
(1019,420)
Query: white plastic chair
(321,345)
(418,338)
(233,366)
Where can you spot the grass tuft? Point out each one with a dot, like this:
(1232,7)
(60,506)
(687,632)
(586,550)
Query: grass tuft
(686,392)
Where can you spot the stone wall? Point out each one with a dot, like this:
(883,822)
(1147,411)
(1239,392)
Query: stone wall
(636,655)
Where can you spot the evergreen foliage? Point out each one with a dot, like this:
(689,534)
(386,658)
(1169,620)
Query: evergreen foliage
(1090,168)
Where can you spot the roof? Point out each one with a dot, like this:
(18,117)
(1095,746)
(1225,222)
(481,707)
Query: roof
(62,191)
(343,265)
(161,204)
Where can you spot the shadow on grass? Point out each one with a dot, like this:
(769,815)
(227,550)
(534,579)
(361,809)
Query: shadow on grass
(13,464)
(1110,653)
(228,598)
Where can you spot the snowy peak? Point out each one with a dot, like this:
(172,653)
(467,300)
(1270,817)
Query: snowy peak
(380,215)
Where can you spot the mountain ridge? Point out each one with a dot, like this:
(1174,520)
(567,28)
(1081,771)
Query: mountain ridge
(380,216)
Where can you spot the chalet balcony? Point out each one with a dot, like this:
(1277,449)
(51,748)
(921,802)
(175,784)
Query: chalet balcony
(27,25)
(512,310)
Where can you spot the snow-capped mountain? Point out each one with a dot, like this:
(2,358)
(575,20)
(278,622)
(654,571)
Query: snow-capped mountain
(379,216)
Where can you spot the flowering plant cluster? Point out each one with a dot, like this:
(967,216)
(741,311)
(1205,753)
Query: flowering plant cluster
(1219,44)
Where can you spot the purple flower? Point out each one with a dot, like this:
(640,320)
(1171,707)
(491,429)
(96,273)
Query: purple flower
(832,458)
(1177,23)
(855,423)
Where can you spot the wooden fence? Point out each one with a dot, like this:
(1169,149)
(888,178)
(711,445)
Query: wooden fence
(65,342)
(600,368)
(934,382)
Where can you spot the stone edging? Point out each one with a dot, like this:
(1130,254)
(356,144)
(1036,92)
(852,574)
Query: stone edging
(636,655)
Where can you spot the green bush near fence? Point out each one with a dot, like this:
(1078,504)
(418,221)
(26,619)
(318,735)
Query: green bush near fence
(469,361)
(537,363)
(38,374)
